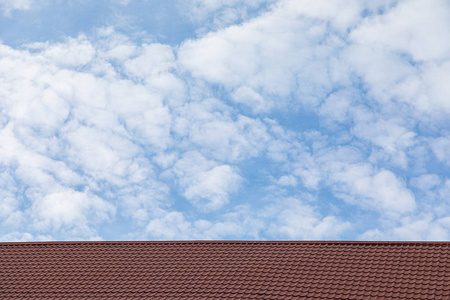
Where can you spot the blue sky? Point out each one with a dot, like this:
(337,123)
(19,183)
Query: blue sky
(227,119)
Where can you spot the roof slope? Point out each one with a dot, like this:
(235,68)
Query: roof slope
(221,270)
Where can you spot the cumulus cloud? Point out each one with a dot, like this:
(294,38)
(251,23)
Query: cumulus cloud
(207,184)
(266,56)
(381,190)
(408,59)
(280,52)
(172,226)
(416,228)
(295,220)
(67,129)
(342,102)
(409,28)
(152,60)
(68,207)
(214,186)
(83,115)
(287,218)
(356,181)
(394,139)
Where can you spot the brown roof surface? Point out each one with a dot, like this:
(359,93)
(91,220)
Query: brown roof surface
(225,270)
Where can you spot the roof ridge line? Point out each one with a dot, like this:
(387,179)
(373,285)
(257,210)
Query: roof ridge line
(217,242)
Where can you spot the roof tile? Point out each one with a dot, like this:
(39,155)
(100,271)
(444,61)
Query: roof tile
(225,270)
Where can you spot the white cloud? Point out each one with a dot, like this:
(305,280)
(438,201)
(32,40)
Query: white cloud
(381,190)
(124,2)
(219,132)
(288,49)
(144,114)
(426,182)
(384,82)
(65,128)
(356,181)
(239,222)
(287,180)
(10,213)
(152,60)
(341,13)
(100,153)
(24,237)
(228,140)
(337,106)
(435,97)
(172,226)
(207,185)
(9,5)
(72,53)
(248,97)
(98,124)
(34,168)
(402,57)
(115,46)
(410,27)
(219,13)
(70,208)
(269,55)
(443,193)
(413,229)
(286,218)
(296,220)
(393,138)
(210,189)
(441,148)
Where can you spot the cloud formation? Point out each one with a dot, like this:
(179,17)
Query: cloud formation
(9,5)
(274,120)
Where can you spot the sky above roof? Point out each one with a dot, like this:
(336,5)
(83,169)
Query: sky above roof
(227,119)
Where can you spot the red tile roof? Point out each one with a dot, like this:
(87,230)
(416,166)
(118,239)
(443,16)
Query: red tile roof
(225,270)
